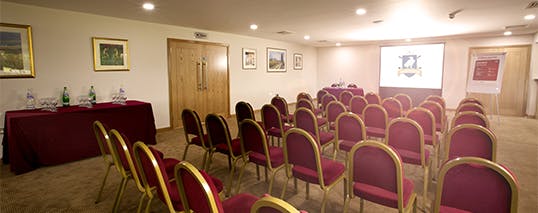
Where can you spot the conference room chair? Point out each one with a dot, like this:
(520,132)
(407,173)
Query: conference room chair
(303,161)
(350,130)
(471,184)
(357,105)
(405,100)
(470,100)
(259,152)
(435,98)
(352,85)
(334,108)
(319,96)
(309,105)
(470,117)
(269,204)
(471,107)
(272,121)
(393,107)
(282,106)
(219,137)
(470,140)
(407,138)
(372,98)
(438,113)
(101,134)
(345,97)
(243,110)
(325,100)
(382,182)
(198,193)
(426,120)
(194,134)
(306,120)
(376,120)
(304,95)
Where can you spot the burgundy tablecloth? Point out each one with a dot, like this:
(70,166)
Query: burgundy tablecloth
(35,138)
(337,90)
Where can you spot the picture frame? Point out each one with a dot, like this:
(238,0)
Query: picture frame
(110,54)
(17,55)
(297,61)
(276,60)
(249,59)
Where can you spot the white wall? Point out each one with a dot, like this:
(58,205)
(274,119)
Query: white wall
(360,64)
(63,57)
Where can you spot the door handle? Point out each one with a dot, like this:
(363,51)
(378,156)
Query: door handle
(204,63)
(199,70)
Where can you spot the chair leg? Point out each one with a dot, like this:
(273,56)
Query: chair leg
(425,189)
(295,184)
(324,201)
(347,203)
(258,172)
(140,202)
(119,194)
(242,170)
(265,169)
(103,183)
(185,151)
(148,205)
(271,181)
(284,188)
(361,202)
(230,181)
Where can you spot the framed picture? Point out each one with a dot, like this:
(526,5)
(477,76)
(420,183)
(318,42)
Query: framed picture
(249,59)
(297,61)
(110,54)
(276,60)
(16,54)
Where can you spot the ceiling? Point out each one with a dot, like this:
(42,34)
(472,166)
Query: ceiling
(326,21)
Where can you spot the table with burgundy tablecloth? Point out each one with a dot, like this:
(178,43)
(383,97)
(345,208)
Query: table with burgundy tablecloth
(337,90)
(35,138)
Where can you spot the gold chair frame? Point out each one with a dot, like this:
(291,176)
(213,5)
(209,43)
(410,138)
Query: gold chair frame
(340,104)
(436,144)
(274,203)
(211,201)
(380,108)
(480,115)
(188,138)
(99,130)
(357,97)
(470,100)
(397,101)
(374,94)
(316,133)
(318,99)
(471,104)
(286,113)
(406,96)
(280,123)
(443,123)
(363,133)
(340,96)
(482,129)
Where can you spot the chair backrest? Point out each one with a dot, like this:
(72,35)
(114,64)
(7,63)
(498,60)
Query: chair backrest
(350,127)
(424,118)
(302,150)
(436,109)
(372,98)
(254,139)
(218,132)
(476,185)
(471,107)
(352,85)
(334,85)
(334,108)
(305,103)
(271,204)
(386,173)
(122,151)
(471,100)
(304,95)
(357,104)
(101,135)
(192,125)
(393,107)
(405,100)
(243,110)
(406,134)
(345,97)
(281,104)
(306,120)
(470,117)
(326,99)
(375,116)
(196,189)
(152,173)
(470,140)
(320,94)
(435,98)
(271,117)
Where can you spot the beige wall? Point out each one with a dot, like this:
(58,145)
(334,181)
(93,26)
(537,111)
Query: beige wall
(63,57)
(360,64)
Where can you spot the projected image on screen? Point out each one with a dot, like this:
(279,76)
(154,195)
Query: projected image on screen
(412,66)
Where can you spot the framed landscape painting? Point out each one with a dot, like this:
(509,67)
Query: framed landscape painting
(276,60)
(249,59)
(110,54)
(297,61)
(16,54)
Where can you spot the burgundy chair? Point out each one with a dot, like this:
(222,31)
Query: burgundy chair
(372,98)
(199,194)
(219,138)
(471,184)
(357,105)
(273,122)
(306,120)
(375,120)
(352,85)
(438,113)
(318,112)
(376,174)
(405,100)
(470,140)
(304,161)
(435,98)
(393,107)
(304,95)
(282,106)
(319,96)
(350,130)
(471,107)
(426,120)
(259,152)
(471,100)
(470,117)
(326,99)
(269,204)
(334,109)
(406,137)
(345,97)
(194,134)
(243,110)
(101,135)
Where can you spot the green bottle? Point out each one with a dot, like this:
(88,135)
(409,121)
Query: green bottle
(92,95)
(65,98)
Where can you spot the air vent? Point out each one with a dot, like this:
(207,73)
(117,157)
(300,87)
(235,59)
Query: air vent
(284,32)
(511,27)
(377,21)
(532,4)
(323,41)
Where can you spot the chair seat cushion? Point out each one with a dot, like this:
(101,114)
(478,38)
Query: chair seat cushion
(325,137)
(331,171)
(321,121)
(196,140)
(277,132)
(169,165)
(318,111)
(438,127)
(383,196)
(428,139)
(413,157)
(239,203)
(346,145)
(447,209)
(288,118)
(236,147)
(275,153)
(375,132)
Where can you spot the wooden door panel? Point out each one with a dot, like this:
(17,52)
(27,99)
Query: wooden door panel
(217,80)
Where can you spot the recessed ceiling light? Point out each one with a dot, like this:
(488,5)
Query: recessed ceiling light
(507,33)
(360,11)
(148,6)
(529,17)
(253,27)
(338,44)
(408,40)
(306,37)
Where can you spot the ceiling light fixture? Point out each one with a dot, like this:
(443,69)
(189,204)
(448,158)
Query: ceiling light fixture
(148,6)
(338,44)
(408,40)
(529,17)
(306,37)
(360,11)
(507,33)
(253,27)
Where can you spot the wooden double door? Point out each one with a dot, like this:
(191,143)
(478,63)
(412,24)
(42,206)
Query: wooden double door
(198,78)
